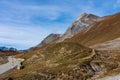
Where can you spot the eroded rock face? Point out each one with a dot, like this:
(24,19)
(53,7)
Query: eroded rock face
(85,20)
(49,39)
(96,65)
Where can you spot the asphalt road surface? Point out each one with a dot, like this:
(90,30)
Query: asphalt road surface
(10,65)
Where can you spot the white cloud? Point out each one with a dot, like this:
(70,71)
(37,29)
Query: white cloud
(117,4)
(20,29)
(20,13)
(118,1)
(26,36)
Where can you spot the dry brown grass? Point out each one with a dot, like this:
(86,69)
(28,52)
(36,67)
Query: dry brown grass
(102,31)
(54,58)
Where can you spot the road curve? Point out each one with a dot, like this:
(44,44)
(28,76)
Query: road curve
(8,66)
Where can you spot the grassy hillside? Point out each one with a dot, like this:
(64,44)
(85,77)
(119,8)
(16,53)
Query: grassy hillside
(55,57)
(102,31)
(65,61)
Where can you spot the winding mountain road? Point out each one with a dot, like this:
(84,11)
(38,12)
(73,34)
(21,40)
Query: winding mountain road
(10,65)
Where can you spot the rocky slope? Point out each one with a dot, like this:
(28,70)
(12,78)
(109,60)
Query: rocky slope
(104,30)
(85,20)
(49,39)
(82,22)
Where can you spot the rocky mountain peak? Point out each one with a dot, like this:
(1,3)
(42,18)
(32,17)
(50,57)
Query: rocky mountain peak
(86,15)
(49,39)
(82,16)
(83,21)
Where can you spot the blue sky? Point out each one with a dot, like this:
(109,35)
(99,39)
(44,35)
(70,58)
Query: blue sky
(24,23)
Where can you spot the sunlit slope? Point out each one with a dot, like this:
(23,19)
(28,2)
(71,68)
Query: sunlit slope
(54,58)
(65,61)
(102,31)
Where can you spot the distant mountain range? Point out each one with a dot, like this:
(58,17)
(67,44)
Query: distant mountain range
(7,49)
